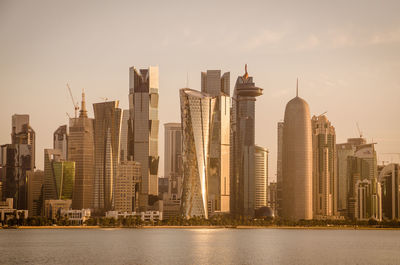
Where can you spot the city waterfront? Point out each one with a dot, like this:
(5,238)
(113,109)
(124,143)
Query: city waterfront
(199,246)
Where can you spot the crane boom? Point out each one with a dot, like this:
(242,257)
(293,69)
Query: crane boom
(76,105)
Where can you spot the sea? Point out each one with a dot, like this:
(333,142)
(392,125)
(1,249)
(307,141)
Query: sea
(199,246)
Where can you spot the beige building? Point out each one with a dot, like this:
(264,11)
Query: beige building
(196,114)
(279,179)
(261,177)
(127,186)
(143,125)
(297,161)
(107,129)
(60,141)
(324,168)
(53,208)
(35,192)
(218,86)
(81,151)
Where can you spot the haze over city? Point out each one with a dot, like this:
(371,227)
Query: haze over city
(346,56)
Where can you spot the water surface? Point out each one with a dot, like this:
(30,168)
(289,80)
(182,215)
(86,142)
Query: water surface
(199,246)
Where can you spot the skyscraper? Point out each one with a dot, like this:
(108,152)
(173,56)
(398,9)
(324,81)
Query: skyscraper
(59,176)
(297,161)
(60,141)
(35,192)
(81,151)
(143,125)
(242,145)
(107,129)
(22,133)
(389,177)
(279,180)
(173,159)
(261,177)
(218,86)
(123,149)
(126,186)
(324,168)
(196,114)
(343,151)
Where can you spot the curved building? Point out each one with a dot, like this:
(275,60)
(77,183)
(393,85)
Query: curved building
(196,114)
(297,161)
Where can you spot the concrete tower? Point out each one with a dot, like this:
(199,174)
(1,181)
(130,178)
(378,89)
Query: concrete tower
(297,161)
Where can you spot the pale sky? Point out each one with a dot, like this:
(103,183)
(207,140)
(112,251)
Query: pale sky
(346,55)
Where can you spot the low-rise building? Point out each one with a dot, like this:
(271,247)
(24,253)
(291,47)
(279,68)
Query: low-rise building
(7,211)
(144,216)
(77,217)
(53,208)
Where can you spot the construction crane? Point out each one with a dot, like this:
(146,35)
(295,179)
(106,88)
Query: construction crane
(359,131)
(76,104)
(322,114)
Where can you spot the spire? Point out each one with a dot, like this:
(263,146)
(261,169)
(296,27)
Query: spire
(83,112)
(297,87)
(246,75)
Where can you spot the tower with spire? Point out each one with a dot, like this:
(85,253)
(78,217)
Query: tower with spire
(242,166)
(81,151)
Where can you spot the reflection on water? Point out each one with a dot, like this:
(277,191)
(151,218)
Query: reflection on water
(199,246)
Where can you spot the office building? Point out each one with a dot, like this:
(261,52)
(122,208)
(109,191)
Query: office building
(35,192)
(242,168)
(53,208)
(368,200)
(272,197)
(123,149)
(261,177)
(343,151)
(390,182)
(16,161)
(7,211)
(22,133)
(297,161)
(59,176)
(60,141)
(143,125)
(107,129)
(127,186)
(196,114)
(81,151)
(279,180)
(324,168)
(218,87)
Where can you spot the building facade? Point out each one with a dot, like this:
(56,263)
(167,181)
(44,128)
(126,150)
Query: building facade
(35,192)
(279,180)
(324,168)
(60,141)
(242,168)
(390,182)
(124,136)
(107,130)
(143,125)
(22,133)
(218,87)
(127,186)
(261,177)
(196,114)
(297,161)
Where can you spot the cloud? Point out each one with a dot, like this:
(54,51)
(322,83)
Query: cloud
(264,38)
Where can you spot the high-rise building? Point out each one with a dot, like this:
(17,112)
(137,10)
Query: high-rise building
(59,176)
(297,161)
(368,200)
(107,130)
(324,168)
(272,197)
(218,86)
(60,141)
(343,151)
(361,166)
(35,192)
(261,177)
(81,151)
(196,113)
(123,149)
(389,177)
(127,186)
(173,159)
(22,133)
(16,161)
(143,125)
(279,180)
(242,169)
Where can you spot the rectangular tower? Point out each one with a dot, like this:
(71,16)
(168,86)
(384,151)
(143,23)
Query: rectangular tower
(126,186)
(143,125)
(261,177)
(107,130)
(173,159)
(217,86)
(60,141)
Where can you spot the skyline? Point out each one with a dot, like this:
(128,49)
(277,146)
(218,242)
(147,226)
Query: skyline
(348,67)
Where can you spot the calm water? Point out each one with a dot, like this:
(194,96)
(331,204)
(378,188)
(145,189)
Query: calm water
(199,246)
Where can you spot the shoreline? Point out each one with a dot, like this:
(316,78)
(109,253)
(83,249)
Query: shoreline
(212,227)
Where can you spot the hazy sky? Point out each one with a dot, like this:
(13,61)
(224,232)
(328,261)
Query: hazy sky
(345,53)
